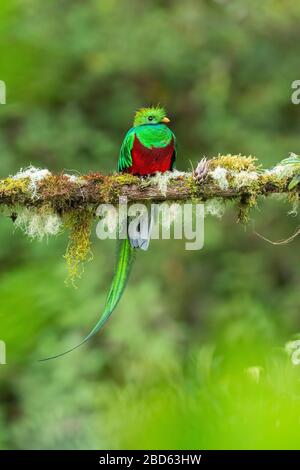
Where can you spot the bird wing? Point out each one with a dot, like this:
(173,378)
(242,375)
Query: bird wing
(125,157)
(173,166)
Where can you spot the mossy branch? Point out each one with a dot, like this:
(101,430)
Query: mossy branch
(42,203)
(64,193)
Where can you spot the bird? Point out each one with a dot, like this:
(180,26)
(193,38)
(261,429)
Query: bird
(148,147)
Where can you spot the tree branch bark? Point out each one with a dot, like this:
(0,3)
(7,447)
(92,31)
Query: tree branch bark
(61,191)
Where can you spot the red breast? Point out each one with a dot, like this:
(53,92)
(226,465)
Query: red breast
(146,161)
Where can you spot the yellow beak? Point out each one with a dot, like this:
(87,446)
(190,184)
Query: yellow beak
(165,119)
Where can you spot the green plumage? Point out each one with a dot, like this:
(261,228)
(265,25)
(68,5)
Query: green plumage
(150,135)
(125,257)
(125,158)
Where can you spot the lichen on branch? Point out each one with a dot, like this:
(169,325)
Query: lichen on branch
(44,204)
(79,223)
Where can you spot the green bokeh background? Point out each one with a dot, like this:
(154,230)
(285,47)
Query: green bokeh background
(171,368)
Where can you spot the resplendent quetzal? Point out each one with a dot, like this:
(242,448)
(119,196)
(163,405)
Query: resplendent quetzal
(148,147)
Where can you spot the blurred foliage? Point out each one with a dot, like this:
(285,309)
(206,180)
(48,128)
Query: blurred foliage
(170,368)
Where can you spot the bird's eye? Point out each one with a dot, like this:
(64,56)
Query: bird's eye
(150,118)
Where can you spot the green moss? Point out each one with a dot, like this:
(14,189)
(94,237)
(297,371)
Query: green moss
(273,179)
(234,162)
(196,190)
(13,187)
(79,223)
(246,203)
(249,199)
(126,179)
(58,189)
(110,188)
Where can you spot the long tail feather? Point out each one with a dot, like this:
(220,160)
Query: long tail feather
(125,258)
